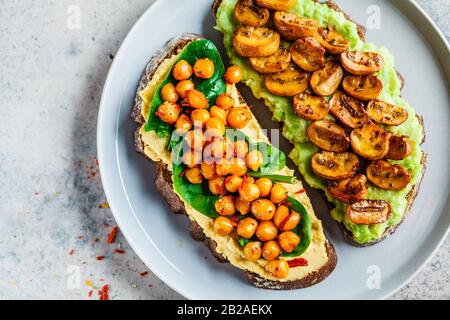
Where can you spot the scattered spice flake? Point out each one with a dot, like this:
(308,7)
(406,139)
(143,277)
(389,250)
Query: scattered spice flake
(36,193)
(300,191)
(90,293)
(101,279)
(234,219)
(89,283)
(104,205)
(100,258)
(150,285)
(112,235)
(103,293)
(96,162)
(80,237)
(299,262)
(143,274)
(71,252)
(119,251)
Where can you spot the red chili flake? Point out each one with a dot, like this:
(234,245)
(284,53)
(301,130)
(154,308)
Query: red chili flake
(288,204)
(96,162)
(143,274)
(90,293)
(80,237)
(118,251)
(112,235)
(93,174)
(103,293)
(300,191)
(71,252)
(299,262)
(101,279)
(150,285)
(100,258)
(234,219)
(36,193)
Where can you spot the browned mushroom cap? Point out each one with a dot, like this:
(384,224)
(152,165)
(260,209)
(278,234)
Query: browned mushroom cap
(249,14)
(362,63)
(370,142)
(331,40)
(348,110)
(277,62)
(400,147)
(363,87)
(349,190)
(368,212)
(386,113)
(310,107)
(325,81)
(308,54)
(293,27)
(388,177)
(255,42)
(287,83)
(277,4)
(328,136)
(334,166)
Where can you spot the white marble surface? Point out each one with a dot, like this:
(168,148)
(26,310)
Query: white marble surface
(51,80)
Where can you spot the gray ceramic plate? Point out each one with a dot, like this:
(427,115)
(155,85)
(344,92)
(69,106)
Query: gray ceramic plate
(161,239)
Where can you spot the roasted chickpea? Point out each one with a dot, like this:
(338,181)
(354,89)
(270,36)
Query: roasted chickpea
(248,191)
(233,183)
(214,127)
(192,158)
(182,70)
(233,74)
(223,226)
(240,149)
(183,87)
(238,117)
(271,250)
(204,68)
(225,101)
(278,268)
(195,140)
(239,167)
(264,186)
(169,112)
(217,186)
(278,194)
(195,99)
(183,124)
(219,113)
(288,241)
(242,206)
(169,93)
(199,117)
(246,228)
(225,206)
(280,215)
(223,167)
(290,222)
(263,209)
(215,149)
(208,170)
(254,160)
(194,175)
(253,250)
(266,231)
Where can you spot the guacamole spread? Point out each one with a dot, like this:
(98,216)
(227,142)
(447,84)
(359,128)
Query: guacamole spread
(295,127)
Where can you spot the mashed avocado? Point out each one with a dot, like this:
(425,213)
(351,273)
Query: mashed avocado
(295,127)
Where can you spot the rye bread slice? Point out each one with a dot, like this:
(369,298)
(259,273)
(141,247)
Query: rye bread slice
(164,186)
(348,236)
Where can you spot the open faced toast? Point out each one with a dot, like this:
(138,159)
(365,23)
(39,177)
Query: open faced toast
(318,258)
(318,35)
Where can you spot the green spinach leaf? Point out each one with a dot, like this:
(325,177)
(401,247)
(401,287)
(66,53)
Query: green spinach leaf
(211,87)
(303,229)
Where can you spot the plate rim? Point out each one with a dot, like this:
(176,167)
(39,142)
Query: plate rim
(130,237)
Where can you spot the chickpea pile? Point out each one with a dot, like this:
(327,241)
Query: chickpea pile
(247,208)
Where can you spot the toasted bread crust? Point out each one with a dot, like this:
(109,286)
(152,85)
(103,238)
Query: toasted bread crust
(348,236)
(164,186)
